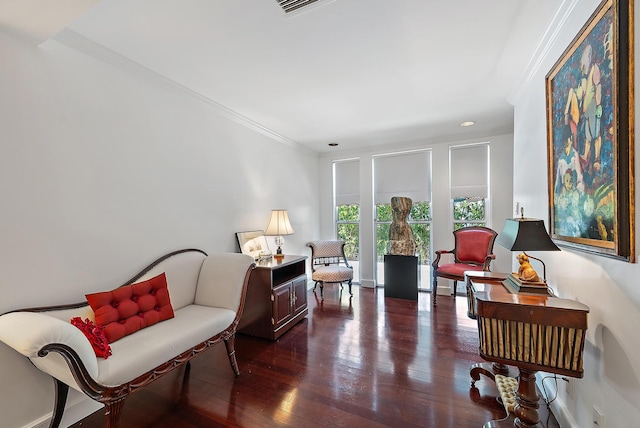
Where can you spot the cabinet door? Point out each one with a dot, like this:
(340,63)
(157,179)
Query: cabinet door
(299,294)
(281,304)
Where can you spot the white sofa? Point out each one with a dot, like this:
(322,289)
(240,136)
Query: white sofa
(207,294)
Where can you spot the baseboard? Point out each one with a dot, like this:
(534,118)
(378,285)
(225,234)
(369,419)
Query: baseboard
(367,283)
(564,418)
(42,422)
(75,410)
(445,290)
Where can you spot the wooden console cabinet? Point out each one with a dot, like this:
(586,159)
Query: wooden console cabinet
(276,297)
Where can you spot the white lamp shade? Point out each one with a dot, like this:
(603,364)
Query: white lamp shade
(279,224)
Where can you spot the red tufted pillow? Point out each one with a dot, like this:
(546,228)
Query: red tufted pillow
(130,308)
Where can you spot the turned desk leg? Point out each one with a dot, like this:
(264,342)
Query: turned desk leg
(526,410)
(525,414)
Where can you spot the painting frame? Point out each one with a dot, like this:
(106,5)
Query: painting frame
(253,243)
(590,136)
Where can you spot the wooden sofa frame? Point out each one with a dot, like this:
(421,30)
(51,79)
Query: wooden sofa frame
(114,398)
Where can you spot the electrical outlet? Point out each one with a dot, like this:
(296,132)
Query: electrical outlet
(598,418)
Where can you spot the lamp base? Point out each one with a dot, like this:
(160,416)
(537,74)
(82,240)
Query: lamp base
(278,255)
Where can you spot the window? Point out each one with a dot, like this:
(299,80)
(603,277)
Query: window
(469,184)
(346,179)
(409,175)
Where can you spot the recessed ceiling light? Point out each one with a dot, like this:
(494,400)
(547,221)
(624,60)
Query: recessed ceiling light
(333,144)
(469,123)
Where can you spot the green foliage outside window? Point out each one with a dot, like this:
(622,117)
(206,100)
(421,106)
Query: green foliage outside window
(420,211)
(468,212)
(383,212)
(349,233)
(349,212)
(422,235)
(349,229)
(382,240)
(468,209)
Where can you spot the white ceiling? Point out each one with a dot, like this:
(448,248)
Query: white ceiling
(355,72)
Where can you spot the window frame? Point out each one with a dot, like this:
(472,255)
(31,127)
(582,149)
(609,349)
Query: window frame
(337,222)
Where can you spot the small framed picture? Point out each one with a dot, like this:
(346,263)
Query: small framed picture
(254,243)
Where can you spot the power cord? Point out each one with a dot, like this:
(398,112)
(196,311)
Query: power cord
(544,389)
(546,395)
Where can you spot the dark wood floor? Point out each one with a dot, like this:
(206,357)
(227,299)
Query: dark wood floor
(361,362)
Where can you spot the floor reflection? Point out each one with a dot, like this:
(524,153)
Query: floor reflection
(352,362)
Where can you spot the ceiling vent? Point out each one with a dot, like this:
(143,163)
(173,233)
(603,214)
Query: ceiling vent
(291,5)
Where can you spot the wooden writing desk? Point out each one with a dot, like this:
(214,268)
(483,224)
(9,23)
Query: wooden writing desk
(534,332)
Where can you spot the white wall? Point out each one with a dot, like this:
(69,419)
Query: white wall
(103,170)
(609,287)
(442,230)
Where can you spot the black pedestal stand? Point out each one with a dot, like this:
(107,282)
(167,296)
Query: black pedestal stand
(401,277)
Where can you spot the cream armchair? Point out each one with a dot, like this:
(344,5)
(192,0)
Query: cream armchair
(329,264)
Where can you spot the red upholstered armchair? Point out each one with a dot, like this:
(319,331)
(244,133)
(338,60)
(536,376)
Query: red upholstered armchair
(473,251)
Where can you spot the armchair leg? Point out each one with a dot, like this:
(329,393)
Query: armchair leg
(434,291)
(184,389)
(62,390)
(113,412)
(350,292)
(231,353)
(455,288)
(321,288)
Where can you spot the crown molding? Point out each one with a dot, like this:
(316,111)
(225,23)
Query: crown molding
(542,50)
(95,50)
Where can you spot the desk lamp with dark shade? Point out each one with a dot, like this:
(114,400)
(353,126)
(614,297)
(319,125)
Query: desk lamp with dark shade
(278,226)
(526,234)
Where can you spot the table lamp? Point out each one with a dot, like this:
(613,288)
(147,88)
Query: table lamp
(279,225)
(526,234)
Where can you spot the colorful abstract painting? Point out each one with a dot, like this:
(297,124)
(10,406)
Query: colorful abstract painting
(590,137)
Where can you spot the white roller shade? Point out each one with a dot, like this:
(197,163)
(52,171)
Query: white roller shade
(470,171)
(346,176)
(407,174)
